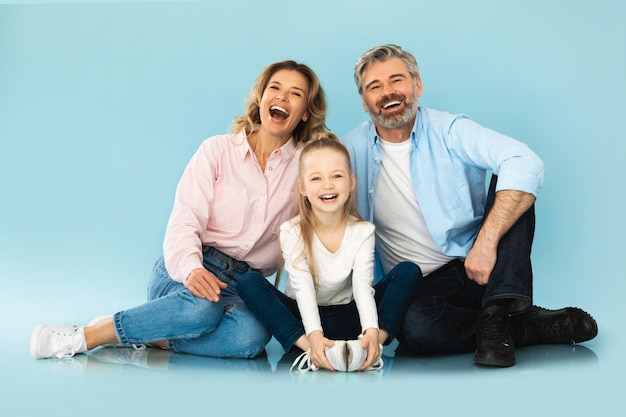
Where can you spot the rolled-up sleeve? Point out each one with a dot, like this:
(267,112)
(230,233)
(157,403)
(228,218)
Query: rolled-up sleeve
(517,166)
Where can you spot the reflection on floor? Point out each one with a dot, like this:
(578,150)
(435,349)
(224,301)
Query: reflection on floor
(274,365)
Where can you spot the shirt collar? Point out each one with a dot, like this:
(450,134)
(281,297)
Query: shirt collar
(285,152)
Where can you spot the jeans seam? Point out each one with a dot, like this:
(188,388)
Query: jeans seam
(119,331)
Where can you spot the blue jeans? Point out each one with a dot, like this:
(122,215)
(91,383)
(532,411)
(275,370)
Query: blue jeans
(442,318)
(281,317)
(191,324)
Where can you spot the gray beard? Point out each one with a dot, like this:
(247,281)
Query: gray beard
(397,121)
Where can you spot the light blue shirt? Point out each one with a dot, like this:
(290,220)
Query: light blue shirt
(450,158)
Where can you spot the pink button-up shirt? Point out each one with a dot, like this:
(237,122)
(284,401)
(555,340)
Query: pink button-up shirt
(224,200)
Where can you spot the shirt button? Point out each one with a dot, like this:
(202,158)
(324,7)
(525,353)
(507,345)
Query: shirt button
(270,168)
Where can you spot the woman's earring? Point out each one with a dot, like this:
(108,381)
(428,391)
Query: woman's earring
(305,118)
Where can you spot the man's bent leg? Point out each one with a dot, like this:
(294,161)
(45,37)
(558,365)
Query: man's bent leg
(511,280)
(509,319)
(509,290)
(442,317)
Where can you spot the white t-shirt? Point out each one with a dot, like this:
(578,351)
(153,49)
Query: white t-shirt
(402,234)
(343,275)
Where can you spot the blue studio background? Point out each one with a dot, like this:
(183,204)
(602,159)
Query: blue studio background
(102,103)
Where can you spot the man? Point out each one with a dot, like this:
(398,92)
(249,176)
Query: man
(421,179)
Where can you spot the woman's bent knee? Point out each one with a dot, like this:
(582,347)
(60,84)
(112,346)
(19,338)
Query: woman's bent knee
(252,335)
(198,315)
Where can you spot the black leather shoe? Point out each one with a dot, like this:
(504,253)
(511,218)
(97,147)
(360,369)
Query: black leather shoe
(494,344)
(542,326)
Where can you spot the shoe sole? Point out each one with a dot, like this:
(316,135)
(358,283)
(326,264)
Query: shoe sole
(354,355)
(339,362)
(491,360)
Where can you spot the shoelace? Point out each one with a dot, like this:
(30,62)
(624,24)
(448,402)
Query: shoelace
(64,344)
(494,328)
(303,362)
(557,333)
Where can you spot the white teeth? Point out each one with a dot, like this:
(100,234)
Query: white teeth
(328,196)
(280,109)
(393,103)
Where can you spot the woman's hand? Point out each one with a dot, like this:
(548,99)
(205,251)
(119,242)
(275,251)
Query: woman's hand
(318,350)
(204,284)
(370,342)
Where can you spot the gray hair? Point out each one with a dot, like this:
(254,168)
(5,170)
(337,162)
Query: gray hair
(381,54)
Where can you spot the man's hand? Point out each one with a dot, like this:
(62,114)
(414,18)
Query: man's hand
(204,284)
(508,207)
(480,261)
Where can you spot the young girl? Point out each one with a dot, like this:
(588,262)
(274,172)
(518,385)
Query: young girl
(329,309)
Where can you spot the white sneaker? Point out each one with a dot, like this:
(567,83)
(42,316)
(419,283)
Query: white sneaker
(57,341)
(356,355)
(336,355)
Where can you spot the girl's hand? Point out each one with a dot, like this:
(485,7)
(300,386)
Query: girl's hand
(204,284)
(318,350)
(369,341)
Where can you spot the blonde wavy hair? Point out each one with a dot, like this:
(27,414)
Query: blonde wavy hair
(316,104)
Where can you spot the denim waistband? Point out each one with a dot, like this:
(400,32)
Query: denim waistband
(234,264)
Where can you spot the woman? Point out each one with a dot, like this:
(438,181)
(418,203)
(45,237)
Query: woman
(233,195)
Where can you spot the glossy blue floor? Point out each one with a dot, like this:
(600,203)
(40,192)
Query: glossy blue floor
(570,380)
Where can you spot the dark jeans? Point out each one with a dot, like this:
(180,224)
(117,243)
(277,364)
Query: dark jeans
(280,315)
(442,317)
